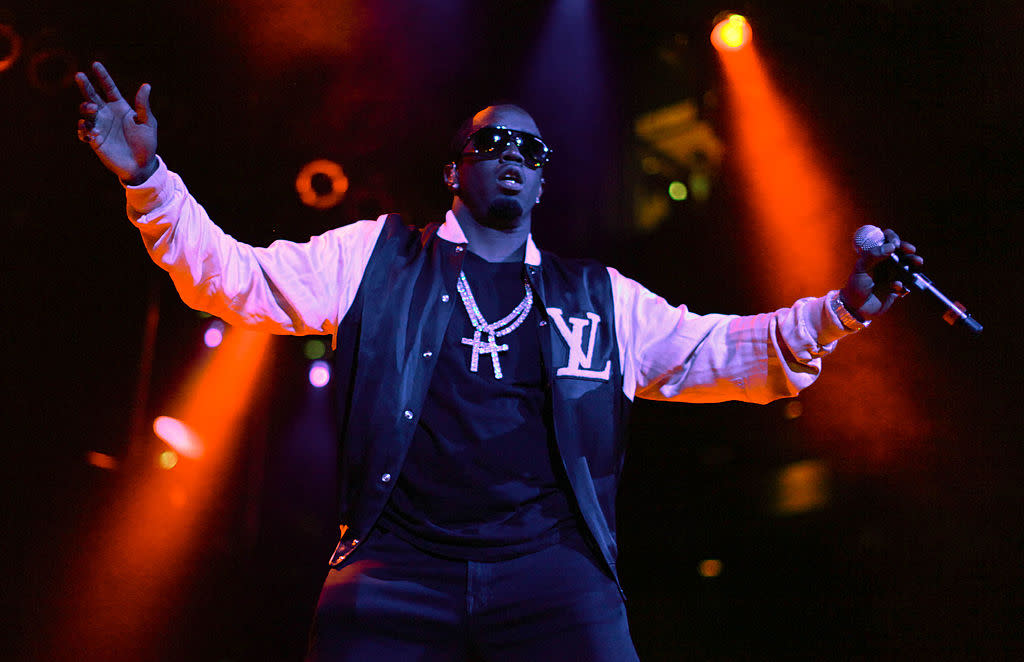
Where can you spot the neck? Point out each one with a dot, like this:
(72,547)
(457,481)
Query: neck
(492,244)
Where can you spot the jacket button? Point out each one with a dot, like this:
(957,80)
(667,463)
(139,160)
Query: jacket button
(407,414)
(445,297)
(386,478)
(427,355)
(543,323)
(459,249)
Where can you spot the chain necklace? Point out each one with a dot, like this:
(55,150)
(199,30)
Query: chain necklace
(494,330)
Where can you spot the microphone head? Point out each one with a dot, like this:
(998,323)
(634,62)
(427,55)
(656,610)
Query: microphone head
(867,237)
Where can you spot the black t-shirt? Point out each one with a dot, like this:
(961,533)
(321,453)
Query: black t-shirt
(482,480)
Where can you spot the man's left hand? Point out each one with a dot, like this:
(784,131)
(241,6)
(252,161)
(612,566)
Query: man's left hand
(873,287)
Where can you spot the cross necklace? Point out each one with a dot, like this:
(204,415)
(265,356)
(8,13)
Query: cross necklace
(494,330)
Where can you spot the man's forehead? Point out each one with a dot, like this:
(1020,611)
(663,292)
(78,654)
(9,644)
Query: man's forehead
(512,117)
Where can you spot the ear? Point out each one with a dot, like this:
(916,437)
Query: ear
(539,192)
(451,176)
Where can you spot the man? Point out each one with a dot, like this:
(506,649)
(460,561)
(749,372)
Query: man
(485,385)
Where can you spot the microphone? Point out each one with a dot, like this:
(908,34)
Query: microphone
(869,236)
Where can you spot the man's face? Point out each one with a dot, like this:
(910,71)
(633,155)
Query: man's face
(498,191)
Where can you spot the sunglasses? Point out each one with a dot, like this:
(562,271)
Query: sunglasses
(490,141)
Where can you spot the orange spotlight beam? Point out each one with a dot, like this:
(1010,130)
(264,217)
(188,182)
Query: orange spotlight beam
(800,246)
(800,217)
(127,577)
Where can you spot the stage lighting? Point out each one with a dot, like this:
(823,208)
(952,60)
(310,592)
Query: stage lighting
(792,410)
(321,184)
(214,334)
(168,460)
(51,67)
(101,460)
(678,191)
(10,46)
(802,487)
(314,348)
(320,374)
(731,33)
(710,568)
(178,436)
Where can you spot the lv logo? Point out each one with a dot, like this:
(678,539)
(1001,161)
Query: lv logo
(579,361)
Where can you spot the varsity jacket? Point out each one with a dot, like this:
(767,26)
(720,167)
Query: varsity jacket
(386,293)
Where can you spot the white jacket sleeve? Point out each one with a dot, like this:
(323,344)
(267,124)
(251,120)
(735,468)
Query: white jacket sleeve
(670,353)
(286,288)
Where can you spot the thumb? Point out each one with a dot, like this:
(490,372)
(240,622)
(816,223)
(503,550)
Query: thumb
(143,113)
(887,302)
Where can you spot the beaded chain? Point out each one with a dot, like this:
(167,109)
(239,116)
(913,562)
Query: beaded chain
(494,330)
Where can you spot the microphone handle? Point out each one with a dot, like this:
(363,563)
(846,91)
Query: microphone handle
(956,313)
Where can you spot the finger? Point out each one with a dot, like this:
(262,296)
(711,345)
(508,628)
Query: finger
(887,303)
(88,91)
(88,110)
(106,82)
(85,132)
(908,248)
(143,112)
(892,241)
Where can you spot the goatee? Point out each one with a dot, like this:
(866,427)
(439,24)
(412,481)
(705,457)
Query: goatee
(503,214)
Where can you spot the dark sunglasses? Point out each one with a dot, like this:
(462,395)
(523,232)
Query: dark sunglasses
(490,141)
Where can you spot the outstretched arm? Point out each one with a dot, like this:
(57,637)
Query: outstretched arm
(670,353)
(123,137)
(291,288)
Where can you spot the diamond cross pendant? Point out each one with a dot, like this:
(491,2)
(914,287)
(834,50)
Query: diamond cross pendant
(482,347)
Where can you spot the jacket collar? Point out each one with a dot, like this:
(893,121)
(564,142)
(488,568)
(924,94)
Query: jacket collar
(452,231)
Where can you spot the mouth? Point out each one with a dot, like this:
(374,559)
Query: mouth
(510,180)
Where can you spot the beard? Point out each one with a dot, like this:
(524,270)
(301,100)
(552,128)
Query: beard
(503,214)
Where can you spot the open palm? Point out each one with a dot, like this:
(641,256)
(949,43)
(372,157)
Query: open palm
(123,137)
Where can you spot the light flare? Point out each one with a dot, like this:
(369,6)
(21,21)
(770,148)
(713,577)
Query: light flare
(320,374)
(731,33)
(213,336)
(178,436)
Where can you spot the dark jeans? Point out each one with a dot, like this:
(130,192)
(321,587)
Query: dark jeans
(391,601)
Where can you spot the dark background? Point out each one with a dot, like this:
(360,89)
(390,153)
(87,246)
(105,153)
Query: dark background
(915,105)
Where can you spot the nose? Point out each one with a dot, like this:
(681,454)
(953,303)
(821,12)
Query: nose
(511,151)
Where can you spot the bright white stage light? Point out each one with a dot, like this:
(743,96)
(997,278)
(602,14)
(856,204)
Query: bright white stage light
(320,374)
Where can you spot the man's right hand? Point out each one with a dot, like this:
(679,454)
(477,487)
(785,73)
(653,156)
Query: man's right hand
(124,138)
